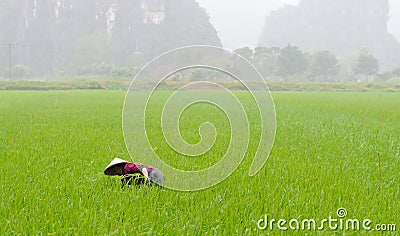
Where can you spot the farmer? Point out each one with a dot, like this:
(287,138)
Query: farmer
(124,168)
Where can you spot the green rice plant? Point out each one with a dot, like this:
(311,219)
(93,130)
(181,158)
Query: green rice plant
(332,150)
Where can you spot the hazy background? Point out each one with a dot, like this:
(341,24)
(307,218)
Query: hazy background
(287,40)
(239,23)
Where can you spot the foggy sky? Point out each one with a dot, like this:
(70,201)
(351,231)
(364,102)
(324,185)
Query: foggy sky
(239,23)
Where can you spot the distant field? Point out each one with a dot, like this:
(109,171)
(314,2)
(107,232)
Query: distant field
(97,83)
(332,150)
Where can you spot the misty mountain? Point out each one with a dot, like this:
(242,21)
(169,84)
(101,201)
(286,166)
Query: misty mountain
(50,34)
(341,26)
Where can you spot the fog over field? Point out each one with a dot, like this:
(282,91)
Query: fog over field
(239,23)
(327,38)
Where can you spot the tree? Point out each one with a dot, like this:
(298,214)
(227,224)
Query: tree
(245,52)
(21,72)
(292,61)
(18,72)
(266,60)
(323,65)
(367,64)
(396,72)
(392,76)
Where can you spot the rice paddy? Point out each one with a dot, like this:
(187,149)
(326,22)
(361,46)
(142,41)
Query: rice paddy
(332,150)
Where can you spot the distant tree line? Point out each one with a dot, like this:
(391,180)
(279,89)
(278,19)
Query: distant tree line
(289,63)
(286,64)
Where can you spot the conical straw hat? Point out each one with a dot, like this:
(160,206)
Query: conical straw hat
(109,169)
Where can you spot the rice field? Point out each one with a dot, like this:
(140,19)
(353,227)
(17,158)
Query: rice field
(332,150)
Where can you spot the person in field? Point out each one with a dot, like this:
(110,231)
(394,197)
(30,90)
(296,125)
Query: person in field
(124,168)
